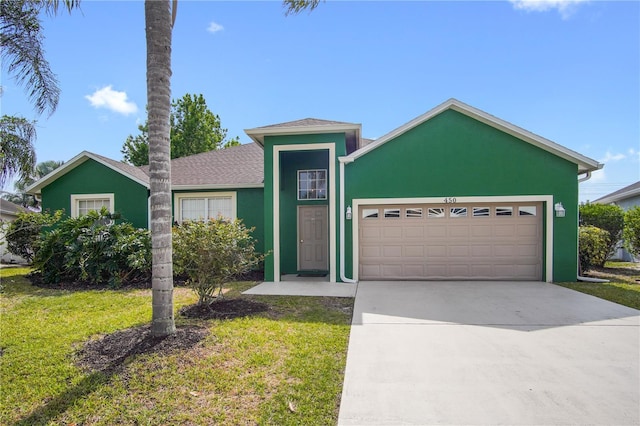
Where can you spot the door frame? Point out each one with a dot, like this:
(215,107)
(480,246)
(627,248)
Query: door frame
(547,222)
(298,236)
(331,188)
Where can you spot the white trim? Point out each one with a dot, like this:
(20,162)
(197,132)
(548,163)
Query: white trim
(618,197)
(179,196)
(72,164)
(548,199)
(79,197)
(277,149)
(584,163)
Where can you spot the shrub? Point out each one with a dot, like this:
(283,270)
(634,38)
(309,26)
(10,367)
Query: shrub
(607,217)
(213,253)
(23,234)
(631,231)
(593,246)
(94,248)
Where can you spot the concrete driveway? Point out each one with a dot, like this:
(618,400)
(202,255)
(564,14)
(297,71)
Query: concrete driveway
(491,353)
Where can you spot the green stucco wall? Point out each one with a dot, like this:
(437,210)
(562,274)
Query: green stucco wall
(453,155)
(91,177)
(249,208)
(290,163)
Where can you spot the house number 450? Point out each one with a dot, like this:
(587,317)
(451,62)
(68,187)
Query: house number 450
(450,200)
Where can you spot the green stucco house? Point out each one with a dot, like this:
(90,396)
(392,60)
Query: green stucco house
(455,193)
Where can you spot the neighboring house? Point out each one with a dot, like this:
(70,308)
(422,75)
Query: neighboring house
(455,193)
(626,198)
(8,212)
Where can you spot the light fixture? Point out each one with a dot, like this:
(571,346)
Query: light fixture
(559,208)
(348,215)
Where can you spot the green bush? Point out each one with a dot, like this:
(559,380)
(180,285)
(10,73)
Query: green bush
(593,246)
(22,235)
(631,231)
(94,248)
(607,217)
(213,253)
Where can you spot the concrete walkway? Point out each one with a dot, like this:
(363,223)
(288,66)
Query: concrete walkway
(303,288)
(490,353)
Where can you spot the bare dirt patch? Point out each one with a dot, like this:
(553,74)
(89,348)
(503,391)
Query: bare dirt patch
(225,309)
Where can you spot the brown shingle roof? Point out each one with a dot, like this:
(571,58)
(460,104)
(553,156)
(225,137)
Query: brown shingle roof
(305,122)
(238,165)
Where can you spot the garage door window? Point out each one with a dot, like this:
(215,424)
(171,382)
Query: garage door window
(369,213)
(413,213)
(481,212)
(504,211)
(435,212)
(527,210)
(458,212)
(392,213)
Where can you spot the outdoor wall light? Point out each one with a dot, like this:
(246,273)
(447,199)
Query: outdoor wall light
(559,208)
(348,214)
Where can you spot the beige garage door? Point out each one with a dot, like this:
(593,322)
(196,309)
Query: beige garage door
(451,241)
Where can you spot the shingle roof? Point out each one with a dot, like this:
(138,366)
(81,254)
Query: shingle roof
(305,122)
(238,165)
(7,207)
(621,194)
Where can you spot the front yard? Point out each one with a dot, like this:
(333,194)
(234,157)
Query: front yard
(282,364)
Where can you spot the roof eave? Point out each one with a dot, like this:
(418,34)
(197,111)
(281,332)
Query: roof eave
(217,186)
(257,134)
(622,196)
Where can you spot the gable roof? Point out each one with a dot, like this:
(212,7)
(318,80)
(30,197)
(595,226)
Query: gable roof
(585,164)
(303,126)
(132,172)
(621,194)
(239,167)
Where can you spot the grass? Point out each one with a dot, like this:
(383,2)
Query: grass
(284,366)
(623,288)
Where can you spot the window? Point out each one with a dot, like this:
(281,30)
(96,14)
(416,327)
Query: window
(204,206)
(414,212)
(312,184)
(81,204)
(458,212)
(436,212)
(480,211)
(504,211)
(392,213)
(527,210)
(369,213)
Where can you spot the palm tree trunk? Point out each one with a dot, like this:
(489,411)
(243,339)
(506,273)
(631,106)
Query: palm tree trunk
(158,30)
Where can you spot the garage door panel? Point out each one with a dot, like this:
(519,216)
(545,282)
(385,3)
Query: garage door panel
(428,242)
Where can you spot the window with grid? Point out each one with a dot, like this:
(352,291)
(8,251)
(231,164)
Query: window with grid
(81,204)
(204,208)
(312,184)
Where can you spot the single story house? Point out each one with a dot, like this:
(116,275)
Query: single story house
(455,193)
(627,198)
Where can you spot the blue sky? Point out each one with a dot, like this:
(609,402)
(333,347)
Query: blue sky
(566,70)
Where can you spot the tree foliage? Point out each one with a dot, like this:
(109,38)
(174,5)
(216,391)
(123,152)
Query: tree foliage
(22,235)
(194,129)
(297,6)
(607,217)
(17,153)
(593,244)
(20,197)
(95,249)
(631,231)
(212,253)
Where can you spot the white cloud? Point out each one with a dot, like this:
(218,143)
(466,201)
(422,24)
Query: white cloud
(214,27)
(612,157)
(565,8)
(113,100)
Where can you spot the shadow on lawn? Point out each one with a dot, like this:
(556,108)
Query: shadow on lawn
(106,357)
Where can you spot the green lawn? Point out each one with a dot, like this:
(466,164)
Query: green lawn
(623,288)
(282,366)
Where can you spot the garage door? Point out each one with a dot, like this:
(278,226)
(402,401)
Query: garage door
(451,241)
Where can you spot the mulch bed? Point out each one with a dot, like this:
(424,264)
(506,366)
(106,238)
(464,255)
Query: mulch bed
(224,309)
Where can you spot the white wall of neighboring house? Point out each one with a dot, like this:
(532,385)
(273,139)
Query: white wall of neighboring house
(5,256)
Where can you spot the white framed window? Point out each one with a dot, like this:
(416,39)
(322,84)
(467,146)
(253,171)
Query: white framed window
(435,212)
(527,211)
(415,212)
(81,204)
(481,212)
(369,213)
(504,211)
(458,212)
(391,213)
(204,206)
(312,184)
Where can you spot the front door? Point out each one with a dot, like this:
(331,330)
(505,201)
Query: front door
(313,237)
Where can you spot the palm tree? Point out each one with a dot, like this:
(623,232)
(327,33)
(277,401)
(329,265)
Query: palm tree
(158,27)
(21,40)
(19,196)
